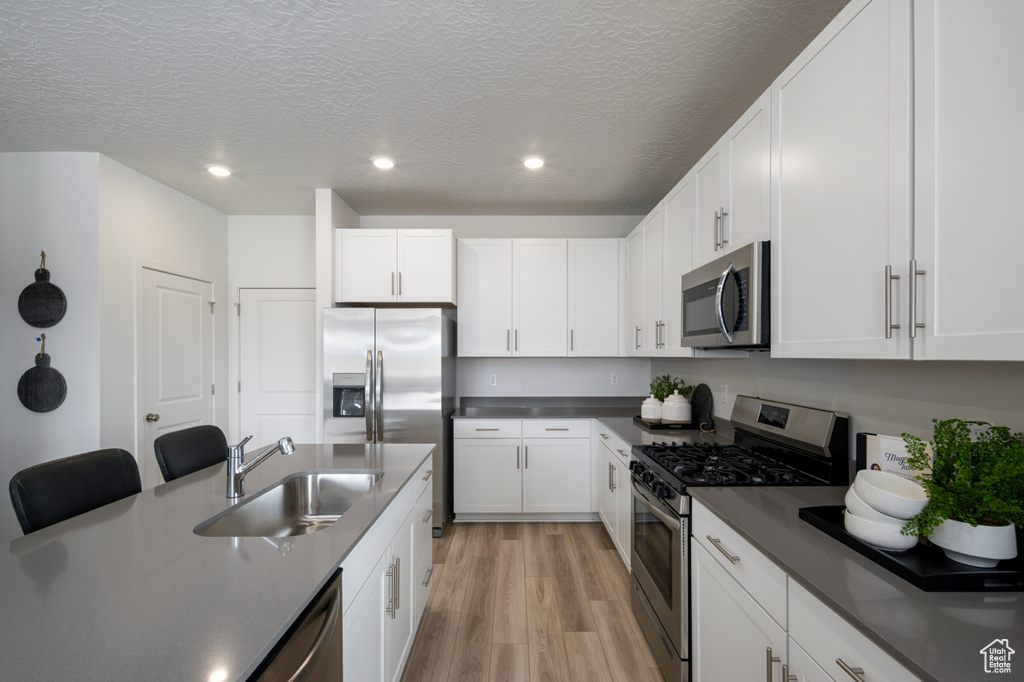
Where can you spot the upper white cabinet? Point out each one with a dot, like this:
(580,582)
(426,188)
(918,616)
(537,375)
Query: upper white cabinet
(677,260)
(594,297)
(732,186)
(968,203)
(634,291)
(538,297)
(395,266)
(841,189)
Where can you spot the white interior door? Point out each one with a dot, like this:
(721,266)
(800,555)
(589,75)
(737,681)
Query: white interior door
(277,358)
(176,359)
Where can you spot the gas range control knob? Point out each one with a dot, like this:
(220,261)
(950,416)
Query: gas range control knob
(647,477)
(662,491)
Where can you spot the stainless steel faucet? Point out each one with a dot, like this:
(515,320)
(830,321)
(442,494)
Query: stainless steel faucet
(237,469)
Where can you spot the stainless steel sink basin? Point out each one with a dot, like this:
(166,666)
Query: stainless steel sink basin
(300,504)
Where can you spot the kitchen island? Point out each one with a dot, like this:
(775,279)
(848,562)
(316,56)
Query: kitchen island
(937,636)
(128,591)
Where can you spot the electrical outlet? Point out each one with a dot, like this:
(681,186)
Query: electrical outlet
(615,379)
(723,393)
(493,380)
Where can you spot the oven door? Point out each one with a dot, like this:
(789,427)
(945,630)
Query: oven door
(660,566)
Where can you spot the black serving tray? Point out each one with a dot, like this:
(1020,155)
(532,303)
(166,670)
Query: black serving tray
(658,426)
(925,566)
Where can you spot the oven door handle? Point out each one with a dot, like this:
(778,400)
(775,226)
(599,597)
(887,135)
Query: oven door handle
(729,270)
(651,504)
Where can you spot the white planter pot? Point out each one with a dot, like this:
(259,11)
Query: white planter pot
(650,410)
(676,410)
(981,546)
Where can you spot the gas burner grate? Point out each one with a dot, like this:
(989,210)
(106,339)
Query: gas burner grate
(716,464)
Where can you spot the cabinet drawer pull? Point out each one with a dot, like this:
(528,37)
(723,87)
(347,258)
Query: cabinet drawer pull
(392,284)
(889,326)
(508,339)
(619,450)
(488,429)
(786,677)
(571,342)
(855,673)
(556,429)
(517,457)
(517,340)
(611,474)
(398,584)
(718,546)
(391,591)
(526,456)
(426,476)
(399,283)
(636,338)
(426,517)
(429,575)
(604,435)
(769,659)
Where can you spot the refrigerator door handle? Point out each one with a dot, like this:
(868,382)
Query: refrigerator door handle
(378,403)
(368,396)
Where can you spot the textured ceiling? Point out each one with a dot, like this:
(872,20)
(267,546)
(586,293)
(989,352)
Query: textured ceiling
(620,96)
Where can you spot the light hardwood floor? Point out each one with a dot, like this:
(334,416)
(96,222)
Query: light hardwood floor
(535,602)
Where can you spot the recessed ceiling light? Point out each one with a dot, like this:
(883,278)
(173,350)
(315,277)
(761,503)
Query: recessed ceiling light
(533,162)
(383,162)
(218,170)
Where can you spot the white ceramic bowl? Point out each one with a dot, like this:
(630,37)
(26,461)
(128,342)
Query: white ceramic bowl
(857,506)
(881,535)
(890,494)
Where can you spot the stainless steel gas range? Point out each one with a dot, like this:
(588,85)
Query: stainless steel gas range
(775,444)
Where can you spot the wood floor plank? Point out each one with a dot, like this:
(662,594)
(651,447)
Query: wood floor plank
(484,539)
(596,586)
(511,531)
(452,581)
(599,533)
(617,574)
(471,658)
(535,551)
(509,663)
(573,607)
(431,654)
(547,648)
(585,654)
(620,646)
(441,544)
(510,595)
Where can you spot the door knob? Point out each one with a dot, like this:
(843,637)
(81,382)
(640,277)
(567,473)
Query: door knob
(151,417)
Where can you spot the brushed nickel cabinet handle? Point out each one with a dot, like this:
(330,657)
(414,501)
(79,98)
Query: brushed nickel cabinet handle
(390,608)
(392,284)
(571,342)
(914,324)
(718,219)
(429,575)
(889,326)
(718,546)
(399,282)
(604,435)
(426,517)
(526,456)
(562,429)
(517,457)
(786,677)
(769,659)
(517,340)
(426,476)
(488,429)
(152,417)
(508,339)
(721,229)
(855,673)
(636,338)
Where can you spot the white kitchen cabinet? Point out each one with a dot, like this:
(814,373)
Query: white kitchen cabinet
(539,297)
(395,266)
(967,174)
(732,184)
(677,260)
(652,324)
(498,474)
(634,291)
(841,188)
(485,297)
(593,307)
(615,498)
(399,617)
(488,476)
(832,643)
(802,668)
(733,637)
(364,636)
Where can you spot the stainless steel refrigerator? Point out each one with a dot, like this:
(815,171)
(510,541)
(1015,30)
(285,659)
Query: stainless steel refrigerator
(389,377)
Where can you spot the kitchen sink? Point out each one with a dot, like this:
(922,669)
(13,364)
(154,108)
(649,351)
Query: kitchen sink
(297,505)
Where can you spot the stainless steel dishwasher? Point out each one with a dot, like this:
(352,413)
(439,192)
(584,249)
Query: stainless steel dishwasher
(311,651)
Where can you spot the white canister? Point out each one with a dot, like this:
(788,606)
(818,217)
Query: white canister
(676,410)
(650,410)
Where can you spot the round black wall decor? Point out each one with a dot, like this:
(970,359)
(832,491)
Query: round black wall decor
(42,388)
(41,303)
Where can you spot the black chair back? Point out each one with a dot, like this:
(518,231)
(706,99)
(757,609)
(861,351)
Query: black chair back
(181,452)
(51,492)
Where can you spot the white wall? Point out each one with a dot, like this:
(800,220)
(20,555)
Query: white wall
(880,396)
(48,202)
(264,252)
(511,225)
(552,377)
(142,221)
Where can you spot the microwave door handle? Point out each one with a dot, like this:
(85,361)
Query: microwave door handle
(378,403)
(368,396)
(729,269)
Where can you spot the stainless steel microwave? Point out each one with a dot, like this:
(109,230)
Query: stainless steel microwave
(725,303)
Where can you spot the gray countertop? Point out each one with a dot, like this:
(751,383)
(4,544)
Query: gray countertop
(935,635)
(129,592)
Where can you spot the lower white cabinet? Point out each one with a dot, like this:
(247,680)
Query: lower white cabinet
(496,474)
(734,638)
(386,602)
(614,497)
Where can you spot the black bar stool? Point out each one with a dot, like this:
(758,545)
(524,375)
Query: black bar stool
(51,492)
(181,452)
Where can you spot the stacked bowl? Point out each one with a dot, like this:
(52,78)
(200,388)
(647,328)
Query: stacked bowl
(879,504)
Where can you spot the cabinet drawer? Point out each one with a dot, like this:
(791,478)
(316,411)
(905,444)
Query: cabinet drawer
(488,428)
(828,638)
(556,428)
(757,574)
(422,522)
(424,478)
(616,445)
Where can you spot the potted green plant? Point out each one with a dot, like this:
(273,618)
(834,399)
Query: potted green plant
(664,386)
(975,483)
